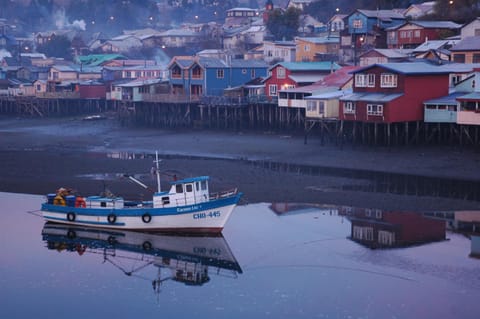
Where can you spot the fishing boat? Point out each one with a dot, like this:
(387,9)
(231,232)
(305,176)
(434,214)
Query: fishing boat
(187,206)
(179,257)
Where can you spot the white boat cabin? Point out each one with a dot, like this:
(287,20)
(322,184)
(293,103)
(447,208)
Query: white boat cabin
(183,192)
(104,202)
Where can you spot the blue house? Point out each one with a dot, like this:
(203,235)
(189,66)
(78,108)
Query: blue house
(207,76)
(367,21)
(367,30)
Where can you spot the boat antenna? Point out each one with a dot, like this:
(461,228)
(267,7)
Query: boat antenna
(157,162)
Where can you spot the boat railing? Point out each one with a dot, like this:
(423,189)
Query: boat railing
(223,194)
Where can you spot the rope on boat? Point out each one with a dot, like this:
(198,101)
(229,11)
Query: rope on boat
(35,213)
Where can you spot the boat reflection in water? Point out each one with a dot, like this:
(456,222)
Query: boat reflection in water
(186,258)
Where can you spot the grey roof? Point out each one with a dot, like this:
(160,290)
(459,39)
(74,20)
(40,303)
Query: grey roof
(391,53)
(470,96)
(306,78)
(329,95)
(418,68)
(432,45)
(371,97)
(467,44)
(437,24)
(140,82)
(249,64)
(450,99)
(309,66)
(429,25)
(209,62)
(320,40)
(382,14)
(178,33)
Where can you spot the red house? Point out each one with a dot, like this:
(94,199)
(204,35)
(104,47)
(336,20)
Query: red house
(289,75)
(92,90)
(411,34)
(382,229)
(394,92)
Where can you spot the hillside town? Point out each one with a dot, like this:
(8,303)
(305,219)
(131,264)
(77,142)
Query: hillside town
(372,73)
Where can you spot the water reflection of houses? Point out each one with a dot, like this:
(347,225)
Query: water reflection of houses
(283,209)
(468,223)
(188,259)
(387,229)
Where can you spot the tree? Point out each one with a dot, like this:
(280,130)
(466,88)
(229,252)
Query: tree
(59,47)
(284,24)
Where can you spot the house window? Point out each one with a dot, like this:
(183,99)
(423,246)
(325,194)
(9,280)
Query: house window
(388,80)
(281,72)
(459,58)
(252,73)
(357,24)
(306,48)
(176,72)
(375,109)
(416,33)
(386,237)
(321,107)
(220,74)
(364,80)
(363,233)
(476,58)
(197,72)
(311,106)
(349,108)
(272,89)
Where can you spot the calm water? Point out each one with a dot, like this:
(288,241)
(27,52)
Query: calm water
(273,261)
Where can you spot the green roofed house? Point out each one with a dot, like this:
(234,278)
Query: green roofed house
(99,59)
(289,75)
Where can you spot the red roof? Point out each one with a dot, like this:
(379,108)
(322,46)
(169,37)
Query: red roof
(339,77)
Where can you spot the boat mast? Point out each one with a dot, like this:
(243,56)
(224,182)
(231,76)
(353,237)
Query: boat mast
(157,171)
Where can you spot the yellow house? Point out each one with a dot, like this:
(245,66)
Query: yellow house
(314,48)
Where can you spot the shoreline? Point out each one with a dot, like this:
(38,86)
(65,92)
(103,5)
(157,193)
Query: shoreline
(40,155)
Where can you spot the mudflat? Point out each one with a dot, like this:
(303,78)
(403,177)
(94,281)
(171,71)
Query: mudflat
(40,155)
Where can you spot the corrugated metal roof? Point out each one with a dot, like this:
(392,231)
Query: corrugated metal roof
(249,64)
(306,78)
(371,97)
(137,82)
(329,95)
(320,40)
(450,99)
(418,68)
(467,44)
(382,14)
(437,24)
(309,66)
(470,96)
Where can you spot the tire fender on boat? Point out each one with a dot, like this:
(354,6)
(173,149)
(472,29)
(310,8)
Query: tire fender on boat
(111,218)
(147,245)
(71,216)
(146,218)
